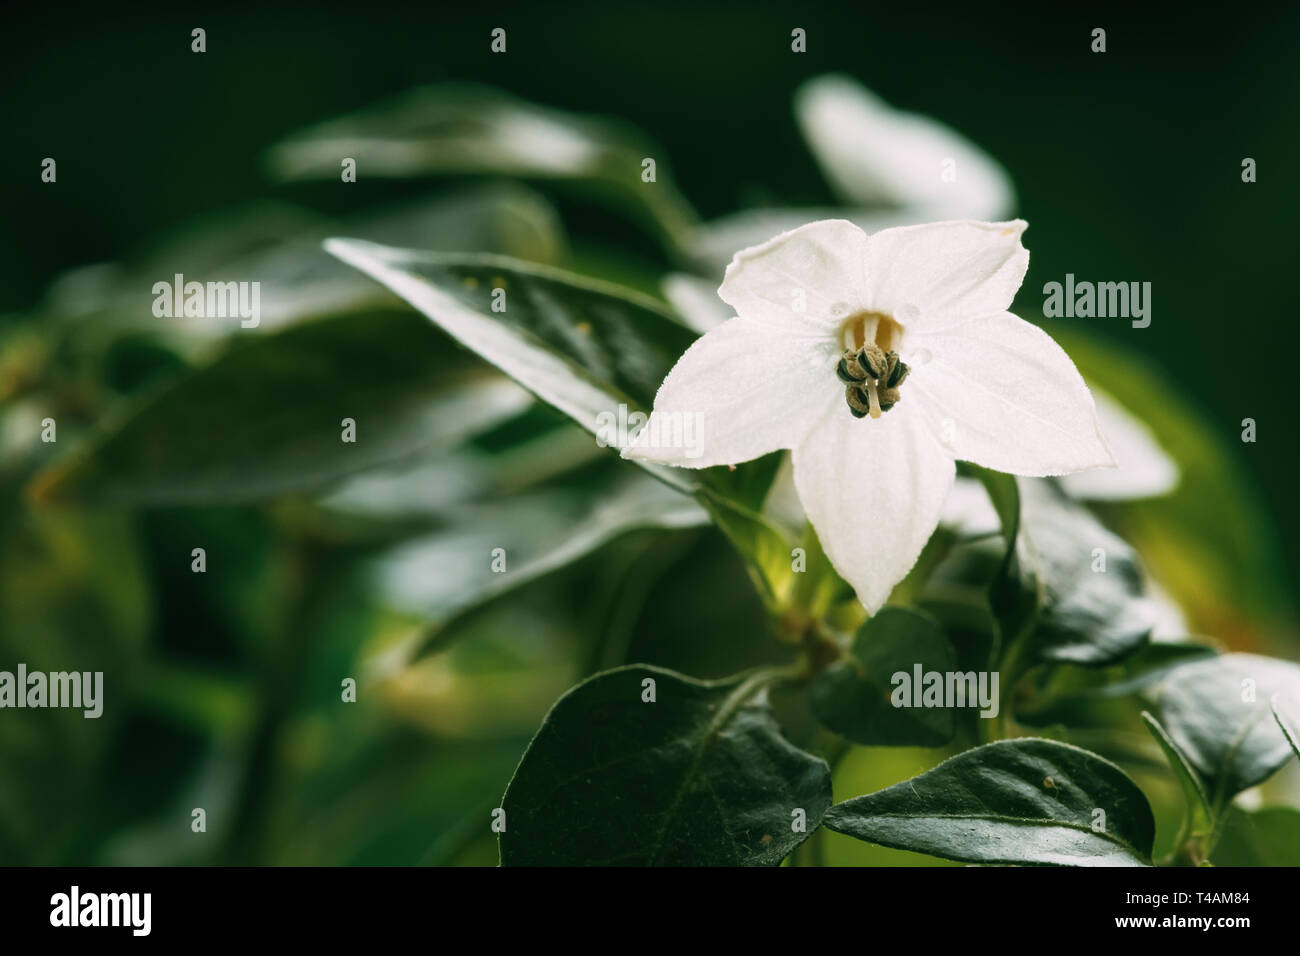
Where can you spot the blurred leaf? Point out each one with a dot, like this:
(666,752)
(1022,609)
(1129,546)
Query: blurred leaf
(75,599)
(1025,801)
(853,697)
(459,129)
(1269,836)
(1217,711)
(445,575)
(1200,814)
(1230,581)
(699,776)
(266,418)
(278,246)
(432,486)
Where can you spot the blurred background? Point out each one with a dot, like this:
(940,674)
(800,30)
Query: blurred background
(224,686)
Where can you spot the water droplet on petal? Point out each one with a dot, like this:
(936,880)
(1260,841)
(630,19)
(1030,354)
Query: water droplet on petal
(840,309)
(909,313)
(920,357)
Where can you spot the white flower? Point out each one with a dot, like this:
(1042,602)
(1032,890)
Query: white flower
(949,374)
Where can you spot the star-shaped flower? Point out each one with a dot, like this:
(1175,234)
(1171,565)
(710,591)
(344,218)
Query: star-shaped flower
(878,361)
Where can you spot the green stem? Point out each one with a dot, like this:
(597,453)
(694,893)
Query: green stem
(280,682)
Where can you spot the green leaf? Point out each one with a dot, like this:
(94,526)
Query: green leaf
(1070,590)
(1200,814)
(265,419)
(764,548)
(1013,594)
(461,129)
(1269,836)
(1217,712)
(596,352)
(1025,801)
(1079,697)
(443,576)
(583,346)
(1288,728)
(854,696)
(699,776)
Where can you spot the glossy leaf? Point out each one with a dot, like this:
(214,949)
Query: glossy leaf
(855,697)
(1200,813)
(1070,590)
(1218,712)
(585,347)
(1025,801)
(699,776)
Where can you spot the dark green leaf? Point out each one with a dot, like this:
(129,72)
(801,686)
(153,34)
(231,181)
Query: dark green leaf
(1101,696)
(700,776)
(855,696)
(1024,801)
(1200,812)
(582,345)
(1071,590)
(1218,713)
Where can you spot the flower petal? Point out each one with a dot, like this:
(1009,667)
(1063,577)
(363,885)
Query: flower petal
(873,489)
(940,274)
(999,392)
(873,153)
(810,276)
(742,390)
(696,301)
(713,244)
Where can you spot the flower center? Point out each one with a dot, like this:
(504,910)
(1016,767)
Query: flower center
(870,367)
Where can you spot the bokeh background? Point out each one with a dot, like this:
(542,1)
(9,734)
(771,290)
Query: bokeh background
(1126,165)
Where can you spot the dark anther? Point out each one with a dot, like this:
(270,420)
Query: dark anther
(859,402)
(898,370)
(872,360)
(847,368)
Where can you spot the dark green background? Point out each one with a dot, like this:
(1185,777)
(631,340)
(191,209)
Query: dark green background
(1127,164)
